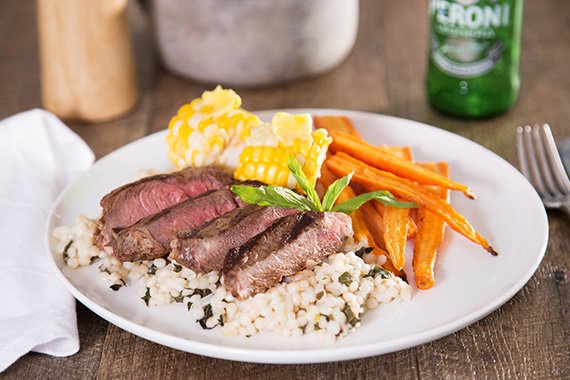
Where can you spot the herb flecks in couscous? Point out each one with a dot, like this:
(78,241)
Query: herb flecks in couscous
(327,300)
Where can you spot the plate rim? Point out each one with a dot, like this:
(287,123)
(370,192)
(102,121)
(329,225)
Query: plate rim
(318,355)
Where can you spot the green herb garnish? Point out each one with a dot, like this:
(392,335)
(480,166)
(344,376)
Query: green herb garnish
(146,297)
(379,270)
(207,314)
(303,181)
(202,292)
(152,269)
(272,196)
(65,250)
(382,196)
(278,196)
(177,268)
(350,317)
(116,287)
(361,251)
(345,279)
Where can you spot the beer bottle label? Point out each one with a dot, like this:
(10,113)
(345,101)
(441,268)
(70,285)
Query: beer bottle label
(466,35)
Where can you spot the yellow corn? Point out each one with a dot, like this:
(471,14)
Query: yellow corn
(316,155)
(202,129)
(268,164)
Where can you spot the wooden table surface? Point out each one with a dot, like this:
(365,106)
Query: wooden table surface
(528,337)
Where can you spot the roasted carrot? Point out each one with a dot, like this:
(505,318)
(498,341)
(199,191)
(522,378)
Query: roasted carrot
(359,221)
(404,152)
(375,223)
(381,159)
(431,229)
(391,268)
(395,222)
(361,231)
(358,224)
(412,227)
(335,124)
(373,179)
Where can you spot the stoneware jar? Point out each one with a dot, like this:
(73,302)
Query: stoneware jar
(253,42)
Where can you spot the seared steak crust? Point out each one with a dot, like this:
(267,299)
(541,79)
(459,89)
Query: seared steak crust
(289,245)
(205,248)
(150,237)
(130,203)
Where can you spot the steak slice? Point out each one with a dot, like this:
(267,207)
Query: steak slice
(205,248)
(150,237)
(130,203)
(285,248)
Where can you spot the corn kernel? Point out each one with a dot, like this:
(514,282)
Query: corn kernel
(202,129)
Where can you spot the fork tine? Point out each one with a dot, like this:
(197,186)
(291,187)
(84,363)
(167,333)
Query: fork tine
(523,162)
(533,173)
(560,175)
(545,171)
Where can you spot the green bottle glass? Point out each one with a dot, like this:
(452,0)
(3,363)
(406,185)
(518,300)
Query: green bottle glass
(474,56)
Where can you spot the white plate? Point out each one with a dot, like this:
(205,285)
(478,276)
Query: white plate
(470,283)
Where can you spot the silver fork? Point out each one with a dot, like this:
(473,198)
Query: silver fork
(541,164)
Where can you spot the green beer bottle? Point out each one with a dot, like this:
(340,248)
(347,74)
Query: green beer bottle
(474,56)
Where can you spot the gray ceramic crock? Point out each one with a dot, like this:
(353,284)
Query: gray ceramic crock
(253,42)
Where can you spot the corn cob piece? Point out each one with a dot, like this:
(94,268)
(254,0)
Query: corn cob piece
(290,135)
(203,129)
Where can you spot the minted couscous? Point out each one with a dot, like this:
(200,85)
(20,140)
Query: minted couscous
(327,299)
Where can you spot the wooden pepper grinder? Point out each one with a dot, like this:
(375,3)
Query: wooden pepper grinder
(87,66)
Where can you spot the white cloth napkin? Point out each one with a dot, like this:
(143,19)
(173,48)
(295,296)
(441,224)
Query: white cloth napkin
(39,156)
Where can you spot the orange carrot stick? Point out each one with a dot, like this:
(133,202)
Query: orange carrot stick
(404,152)
(383,160)
(374,221)
(335,124)
(412,228)
(431,230)
(395,222)
(359,221)
(361,232)
(373,179)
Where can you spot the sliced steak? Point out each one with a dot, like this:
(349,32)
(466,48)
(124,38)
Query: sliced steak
(286,247)
(150,237)
(205,248)
(130,203)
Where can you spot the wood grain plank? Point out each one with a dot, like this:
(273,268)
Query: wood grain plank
(405,81)
(526,338)
(126,356)
(18,50)
(83,365)
(520,340)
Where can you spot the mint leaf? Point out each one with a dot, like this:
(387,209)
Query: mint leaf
(304,183)
(276,196)
(334,191)
(382,196)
